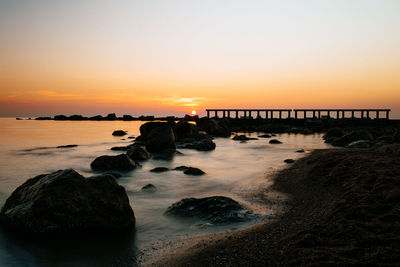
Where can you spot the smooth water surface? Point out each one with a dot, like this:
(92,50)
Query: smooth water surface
(233,169)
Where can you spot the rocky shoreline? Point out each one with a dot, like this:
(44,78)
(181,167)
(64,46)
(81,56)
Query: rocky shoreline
(343,209)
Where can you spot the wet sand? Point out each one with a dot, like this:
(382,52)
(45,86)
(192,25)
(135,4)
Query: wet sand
(343,208)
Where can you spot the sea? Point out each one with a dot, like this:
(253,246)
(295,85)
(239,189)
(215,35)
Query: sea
(234,169)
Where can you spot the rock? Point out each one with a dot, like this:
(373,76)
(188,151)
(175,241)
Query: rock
(185,129)
(193,171)
(333,132)
(275,141)
(289,160)
(216,209)
(353,136)
(300,151)
(96,118)
(160,138)
(242,138)
(127,118)
(67,146)
(181,168)
(115,174)
(111,116)
(119,162)
(203,145)
(119,133)
(391,149)
(66,202)
(265,136)
(149,187)
(60,118)
(147,127)
(131,137)
(77,118)
(360,144)
(119,148)
(159,169)
(135,152)
(216,127)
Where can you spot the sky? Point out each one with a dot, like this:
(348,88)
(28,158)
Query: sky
(158,57)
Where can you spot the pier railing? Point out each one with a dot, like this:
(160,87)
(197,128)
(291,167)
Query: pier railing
(299,113)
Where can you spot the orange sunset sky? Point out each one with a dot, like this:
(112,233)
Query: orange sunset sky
(171,57)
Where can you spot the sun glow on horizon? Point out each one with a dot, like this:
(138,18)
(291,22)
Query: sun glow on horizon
(194,112)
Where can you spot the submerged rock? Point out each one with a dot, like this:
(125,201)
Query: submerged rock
(360,144)
(275,141)
(216,209)
(119,162)
(242,138)
(159,169)
(65,201)
(135,152)
(193,171)
(119,133)
(67,146)
(353,136)
(300,151)
(265,136)
(149,187)
(289,160)
(181,168)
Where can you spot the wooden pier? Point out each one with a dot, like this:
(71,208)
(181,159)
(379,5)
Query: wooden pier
(300,113)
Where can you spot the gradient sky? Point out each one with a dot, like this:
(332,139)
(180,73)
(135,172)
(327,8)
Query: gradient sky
(169,57)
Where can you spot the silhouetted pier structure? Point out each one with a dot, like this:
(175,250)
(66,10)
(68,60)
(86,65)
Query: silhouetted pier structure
(247,113)
(315,113)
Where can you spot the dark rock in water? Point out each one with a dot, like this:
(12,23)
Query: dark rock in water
(201,145)
(160,138)
(215,127)
(60,118)
(300,151)
(149,187)
(119,162)
(96,118)
(360,144)
(77,118)
(42,118)
(242,138)
(67,146)
(185,130)
(66,202)
(353,136)
(159,169)
(18,119)
(181,168)
(119,148)
(265,136)
(135,152)
(216,209)
(193,171)
(127,118)
(131,137)
(115,174)
(274,141)
(119,133)
(289,160)
(147,127)
(111,116)
(333,133)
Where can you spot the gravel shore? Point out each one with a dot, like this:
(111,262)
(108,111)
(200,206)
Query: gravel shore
(343,209)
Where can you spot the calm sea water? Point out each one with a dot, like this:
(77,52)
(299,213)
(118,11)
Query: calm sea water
(234,169)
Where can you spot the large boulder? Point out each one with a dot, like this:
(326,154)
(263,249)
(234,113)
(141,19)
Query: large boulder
(216,127)
(119,162)
(216,209)
(200,145)
(353,136)
(185,129)
(160,139)
(66,202)
(135,152)
(147,127)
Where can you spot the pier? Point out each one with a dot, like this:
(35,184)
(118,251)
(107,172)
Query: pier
(300,113)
